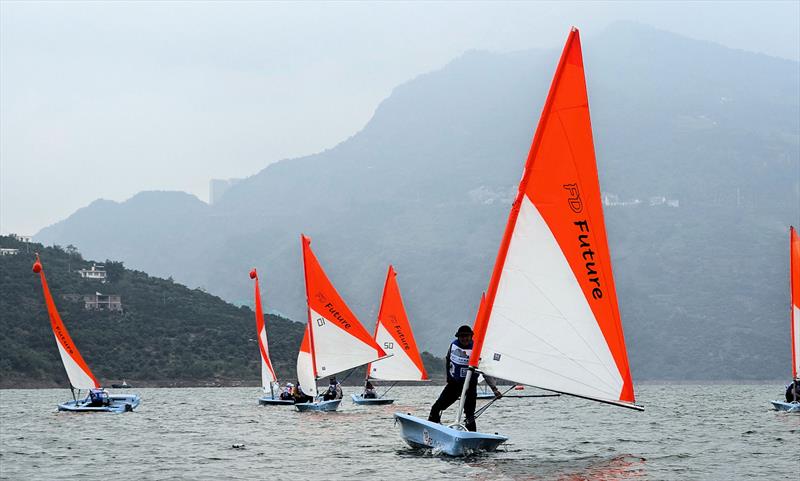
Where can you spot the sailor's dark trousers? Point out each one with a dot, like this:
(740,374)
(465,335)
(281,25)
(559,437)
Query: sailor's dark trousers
(450,394)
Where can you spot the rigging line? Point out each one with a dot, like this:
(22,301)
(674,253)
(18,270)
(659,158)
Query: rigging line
(486,406)
(386,391)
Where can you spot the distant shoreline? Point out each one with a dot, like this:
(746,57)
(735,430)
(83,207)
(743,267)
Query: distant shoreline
(6,385)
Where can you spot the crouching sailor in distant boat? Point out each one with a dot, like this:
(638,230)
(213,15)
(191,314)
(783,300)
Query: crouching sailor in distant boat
(286,394)
(334,390)
(369,391)
(457,364)
(793,391)
(98,398)
(299,396)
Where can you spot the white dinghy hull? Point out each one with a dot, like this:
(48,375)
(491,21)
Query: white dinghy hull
(119,403)
(788,407)
(360,400)
(321,406)
(422,434)
(268,401)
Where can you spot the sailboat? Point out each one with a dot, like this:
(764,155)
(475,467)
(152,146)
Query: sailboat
(334,340)
(268,378)
(551,318)
(793,405)
(393,333)
(78,372)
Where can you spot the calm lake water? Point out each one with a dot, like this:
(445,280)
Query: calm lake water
(687,432)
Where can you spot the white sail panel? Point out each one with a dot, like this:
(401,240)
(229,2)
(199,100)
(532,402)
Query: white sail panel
(397,367)
(267,376)
(541,331)
(305,367)
(336,350)
(78,378)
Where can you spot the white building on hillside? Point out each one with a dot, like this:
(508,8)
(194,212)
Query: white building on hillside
(97,272)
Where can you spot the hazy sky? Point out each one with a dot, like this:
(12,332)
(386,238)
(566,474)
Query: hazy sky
(102,100)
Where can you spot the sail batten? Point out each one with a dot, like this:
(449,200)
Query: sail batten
(78,372)
(550,317)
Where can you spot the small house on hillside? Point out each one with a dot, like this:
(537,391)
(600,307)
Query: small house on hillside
(103,302)
(97,272)
(4,251)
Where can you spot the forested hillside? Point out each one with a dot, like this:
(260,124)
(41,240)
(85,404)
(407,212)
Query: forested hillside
(167,333)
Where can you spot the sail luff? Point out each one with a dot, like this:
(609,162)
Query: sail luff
(306,243)
(794,283)
(491,293)
(78,372)
(267,372)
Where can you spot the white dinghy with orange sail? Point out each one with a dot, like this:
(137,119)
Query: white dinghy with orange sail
(792,402)
(393,333)
(78,372)
(551,318)
(268,379)
(334,340)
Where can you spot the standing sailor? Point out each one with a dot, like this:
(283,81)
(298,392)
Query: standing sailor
(457,365)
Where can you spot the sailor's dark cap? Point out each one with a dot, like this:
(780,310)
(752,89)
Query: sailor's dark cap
(464,330)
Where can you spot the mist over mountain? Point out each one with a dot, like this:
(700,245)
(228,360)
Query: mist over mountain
(705,138)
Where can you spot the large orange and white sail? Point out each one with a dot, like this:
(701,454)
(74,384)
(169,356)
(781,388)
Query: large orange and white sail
(267,372)
(393,333)
(337,339)
(551,318)
(795,286)
(78,372)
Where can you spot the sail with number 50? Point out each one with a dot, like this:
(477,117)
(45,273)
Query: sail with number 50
(794,268)
(336,340)
(78,372)
(393,334)
(551,318)
(267,372)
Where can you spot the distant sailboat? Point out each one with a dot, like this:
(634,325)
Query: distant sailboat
(334,340)
(268,378)
(551,318)
(78,372)
(393,333)
(793,405)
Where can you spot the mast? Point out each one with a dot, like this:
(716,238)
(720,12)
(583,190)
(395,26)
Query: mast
(794,283)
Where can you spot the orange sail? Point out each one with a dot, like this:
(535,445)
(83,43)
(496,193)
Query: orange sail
(78,372)
(338,341)
(393,333)
(795,286)
(551,317)
(267,373)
